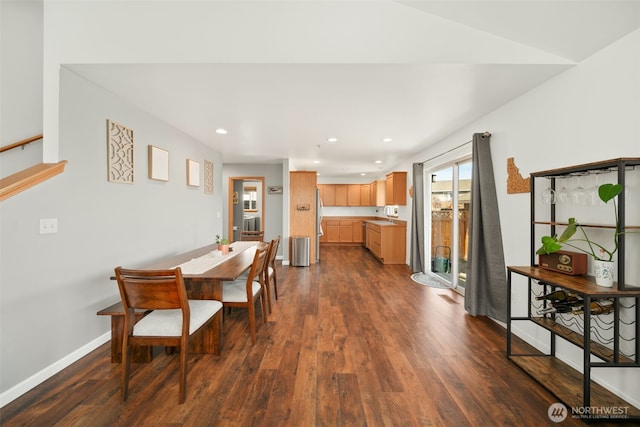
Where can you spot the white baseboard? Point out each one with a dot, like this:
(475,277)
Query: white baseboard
(40,377)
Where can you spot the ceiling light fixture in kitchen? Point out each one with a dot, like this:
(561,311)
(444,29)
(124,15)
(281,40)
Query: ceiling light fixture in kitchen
(387,140)
(221,131)
(332,140)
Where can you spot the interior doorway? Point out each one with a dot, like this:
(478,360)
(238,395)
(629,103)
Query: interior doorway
(246,205)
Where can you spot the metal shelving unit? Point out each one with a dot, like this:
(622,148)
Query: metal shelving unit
(614,338)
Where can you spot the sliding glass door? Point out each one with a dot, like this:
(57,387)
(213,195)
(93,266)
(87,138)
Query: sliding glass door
(450,195)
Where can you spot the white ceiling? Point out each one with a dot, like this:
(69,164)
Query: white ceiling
(463,60)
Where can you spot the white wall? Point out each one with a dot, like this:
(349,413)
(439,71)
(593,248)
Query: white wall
(53,285)
(20,83)
(587,114)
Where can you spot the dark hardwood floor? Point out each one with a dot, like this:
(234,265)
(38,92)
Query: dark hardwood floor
(349,342)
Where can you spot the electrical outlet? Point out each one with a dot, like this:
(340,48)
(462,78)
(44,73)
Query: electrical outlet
(48,225)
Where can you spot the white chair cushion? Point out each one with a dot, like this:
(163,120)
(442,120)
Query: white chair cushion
(169,322)
(236,291)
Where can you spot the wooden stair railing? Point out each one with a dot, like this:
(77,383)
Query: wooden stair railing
(20,143)
(27,178)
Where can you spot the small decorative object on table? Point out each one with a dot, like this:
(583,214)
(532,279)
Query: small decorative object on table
(223,244)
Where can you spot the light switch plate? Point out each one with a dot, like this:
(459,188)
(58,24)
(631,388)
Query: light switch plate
(48,225)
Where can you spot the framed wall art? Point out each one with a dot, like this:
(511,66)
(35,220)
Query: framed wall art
(208,177)
(119,153)
(158,164)
(193,173)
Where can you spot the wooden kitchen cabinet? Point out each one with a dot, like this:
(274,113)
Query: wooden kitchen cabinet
(332,231)
(353,195)
(357,231)
(372,194)
(342,195)
(387,242)
(365,195)
(373,239)
(396,188)
(302,208)
(346,231)
(327,194)
(343,230)
(377,191)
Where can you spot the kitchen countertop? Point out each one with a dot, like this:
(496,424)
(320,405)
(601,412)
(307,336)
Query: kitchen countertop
(385,222)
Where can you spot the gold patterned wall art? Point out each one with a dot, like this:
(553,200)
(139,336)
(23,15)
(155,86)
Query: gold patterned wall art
(193,173)
(208,177)
(515,182)
(119,153)
(158,164)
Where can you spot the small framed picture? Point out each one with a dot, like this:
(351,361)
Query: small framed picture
(158,163)
(274,189)
(193,173)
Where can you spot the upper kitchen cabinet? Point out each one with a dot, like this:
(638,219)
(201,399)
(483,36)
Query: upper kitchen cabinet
(396,188)
(354,198)
(342,195)
(376,193)
(365,195)
(372,194)
(327,194)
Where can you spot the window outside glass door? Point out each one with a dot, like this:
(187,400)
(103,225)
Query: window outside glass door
(450,197)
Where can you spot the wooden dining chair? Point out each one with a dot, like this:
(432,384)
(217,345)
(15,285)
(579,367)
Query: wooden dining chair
(173,319)
(252,236)
(244,292)
(270,271)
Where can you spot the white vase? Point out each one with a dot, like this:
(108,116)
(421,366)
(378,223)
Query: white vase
(604,272)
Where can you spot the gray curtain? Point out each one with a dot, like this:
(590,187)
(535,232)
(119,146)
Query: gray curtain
(417,220)
(486,287)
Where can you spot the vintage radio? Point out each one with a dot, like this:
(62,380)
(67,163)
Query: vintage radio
(564,262)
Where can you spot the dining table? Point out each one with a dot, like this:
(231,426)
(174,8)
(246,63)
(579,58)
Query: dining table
(204,270)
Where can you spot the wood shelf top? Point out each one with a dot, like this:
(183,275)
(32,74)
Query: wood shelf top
(584,285)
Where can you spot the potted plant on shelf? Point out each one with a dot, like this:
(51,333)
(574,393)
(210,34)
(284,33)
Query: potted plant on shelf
(602,257)
(223,244)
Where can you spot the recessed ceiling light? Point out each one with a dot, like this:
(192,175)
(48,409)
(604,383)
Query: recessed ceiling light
(332,139)
(387,140)
(378,161)
(363,174)
(316,161)
(221,131)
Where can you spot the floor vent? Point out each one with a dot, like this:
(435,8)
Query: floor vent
(448,299)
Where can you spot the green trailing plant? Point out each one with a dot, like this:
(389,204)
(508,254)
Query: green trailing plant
(551,244)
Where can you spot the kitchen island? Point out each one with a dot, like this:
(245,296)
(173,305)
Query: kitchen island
(384,237)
